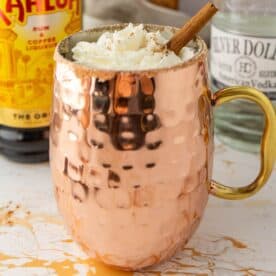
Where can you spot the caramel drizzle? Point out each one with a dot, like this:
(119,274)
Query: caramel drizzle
(67,267)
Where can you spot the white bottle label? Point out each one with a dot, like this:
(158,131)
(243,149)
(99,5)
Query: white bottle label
(243,60)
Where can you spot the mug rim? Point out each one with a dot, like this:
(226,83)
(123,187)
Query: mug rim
(60,51)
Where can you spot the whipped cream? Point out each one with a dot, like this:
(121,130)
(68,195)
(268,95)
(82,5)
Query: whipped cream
(132,48)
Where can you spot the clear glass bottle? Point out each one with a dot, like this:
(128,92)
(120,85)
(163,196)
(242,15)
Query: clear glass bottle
(243,52)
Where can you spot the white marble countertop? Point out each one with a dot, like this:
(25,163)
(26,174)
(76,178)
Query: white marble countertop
(234,238)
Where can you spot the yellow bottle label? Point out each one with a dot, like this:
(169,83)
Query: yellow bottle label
(29,33)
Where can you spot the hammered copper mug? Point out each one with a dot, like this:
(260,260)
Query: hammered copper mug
(132,153)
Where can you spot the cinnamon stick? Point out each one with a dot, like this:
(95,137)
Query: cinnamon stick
(191,28)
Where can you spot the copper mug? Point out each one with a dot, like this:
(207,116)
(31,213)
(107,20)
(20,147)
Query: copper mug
(132,152)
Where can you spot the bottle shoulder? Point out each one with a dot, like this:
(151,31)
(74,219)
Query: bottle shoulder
(247,6)
(246,24)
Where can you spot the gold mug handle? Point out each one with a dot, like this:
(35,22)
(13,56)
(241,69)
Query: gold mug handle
(268,150)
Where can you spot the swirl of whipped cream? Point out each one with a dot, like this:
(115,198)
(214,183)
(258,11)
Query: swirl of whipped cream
(132,48)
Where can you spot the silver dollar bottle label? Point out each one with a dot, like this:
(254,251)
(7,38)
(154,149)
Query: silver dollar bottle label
(237,59)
